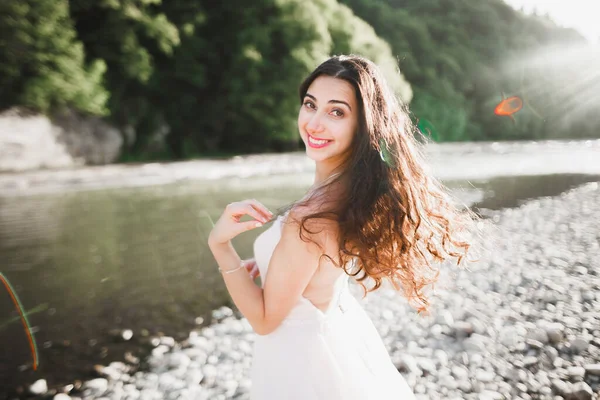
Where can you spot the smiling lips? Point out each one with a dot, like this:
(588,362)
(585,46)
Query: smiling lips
(317,143)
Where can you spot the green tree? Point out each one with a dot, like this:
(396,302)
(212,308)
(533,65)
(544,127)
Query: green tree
(42,63)
(460,55)
(128,35)
(231,85)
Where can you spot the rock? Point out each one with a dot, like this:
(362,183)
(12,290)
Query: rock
(529,361)
(484,376)
(475,360)
(98,386)
(67,388)
(39,387)
(551,353)
(539,335)
(579,391)
(178,360)
(222,313)
(580,269)
(554,332)
(107,372)
(208,332)
(167,382)
(410,365)
(130,358)
(476,343)
(576,373)
(588,295)
(534,344)
(167,341)
(592,369)
(448,382)
(461,373)
(497,337)
(580,345)
(160,351)
(445,318)
(426,364)
(441,357)
(210,374)
(89,138)
(462,329)
(150,341)
(126,334)
(194,376)
(30,141)
(212,359)
(121,335)
(558,362)
(508,336)
(490,395)
(560,387)
(230,387)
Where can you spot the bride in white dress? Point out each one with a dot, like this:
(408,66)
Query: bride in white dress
(374,213)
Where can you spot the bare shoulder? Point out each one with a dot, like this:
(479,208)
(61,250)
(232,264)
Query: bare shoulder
(320,231)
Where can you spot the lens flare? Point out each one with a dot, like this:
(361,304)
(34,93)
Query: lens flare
(507,107)
(24,320)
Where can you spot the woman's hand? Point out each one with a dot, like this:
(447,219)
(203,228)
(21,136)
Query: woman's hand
(251,267)
(229,226)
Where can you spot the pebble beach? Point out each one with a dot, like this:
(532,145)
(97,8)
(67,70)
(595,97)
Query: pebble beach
(523,322)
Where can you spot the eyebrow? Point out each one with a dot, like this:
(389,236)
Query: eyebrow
(330,101)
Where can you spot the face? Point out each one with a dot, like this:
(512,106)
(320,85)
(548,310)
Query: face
(328,119)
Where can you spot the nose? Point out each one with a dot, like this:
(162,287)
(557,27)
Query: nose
(314,124)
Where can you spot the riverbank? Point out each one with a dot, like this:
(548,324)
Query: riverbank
(524,322)
(449,161)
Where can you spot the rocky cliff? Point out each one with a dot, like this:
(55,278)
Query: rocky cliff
(30,141)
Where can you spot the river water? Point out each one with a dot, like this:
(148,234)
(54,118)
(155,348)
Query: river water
(93,250)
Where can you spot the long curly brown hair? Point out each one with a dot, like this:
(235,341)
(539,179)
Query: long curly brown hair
(394,219)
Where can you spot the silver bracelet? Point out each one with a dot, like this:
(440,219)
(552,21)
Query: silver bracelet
(231,270)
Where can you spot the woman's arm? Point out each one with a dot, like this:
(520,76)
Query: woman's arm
(246,295)
(292,265)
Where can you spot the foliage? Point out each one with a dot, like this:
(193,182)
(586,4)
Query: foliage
(41,61)
(184,78)
(461,55)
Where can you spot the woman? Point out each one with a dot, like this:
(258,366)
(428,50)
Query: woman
(373,212)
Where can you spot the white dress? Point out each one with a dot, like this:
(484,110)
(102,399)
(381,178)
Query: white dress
(315,355)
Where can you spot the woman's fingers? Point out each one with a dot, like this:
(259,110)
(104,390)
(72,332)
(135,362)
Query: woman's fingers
(251,267)
(249,225)
(241,208)
(258,206)
(254,272)
(229,225)
(249,264)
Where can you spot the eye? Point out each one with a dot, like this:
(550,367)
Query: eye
(340,113)
(309,104)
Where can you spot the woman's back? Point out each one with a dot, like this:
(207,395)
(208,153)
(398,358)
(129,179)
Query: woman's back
(324,285)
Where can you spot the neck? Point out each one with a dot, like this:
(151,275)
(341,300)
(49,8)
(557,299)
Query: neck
(324,172)
(322,176)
